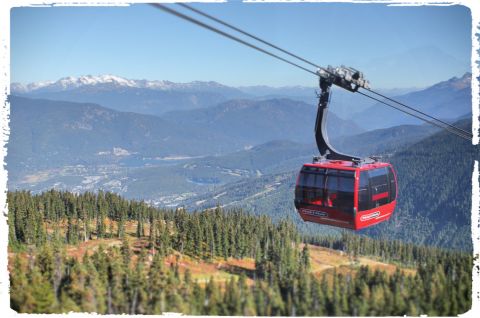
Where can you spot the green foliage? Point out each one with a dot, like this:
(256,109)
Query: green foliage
(126,279)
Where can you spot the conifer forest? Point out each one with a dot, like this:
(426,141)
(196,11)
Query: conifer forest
(98,252)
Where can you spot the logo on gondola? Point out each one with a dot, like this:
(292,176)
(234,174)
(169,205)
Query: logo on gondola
(314,213)
(370,216)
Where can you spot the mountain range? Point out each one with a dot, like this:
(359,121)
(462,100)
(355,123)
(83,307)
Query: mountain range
(158,96)
(79,147)
(259,121)
(108,81)
(235,148)
(446,100)
(342,103)
(127,95)
(48,133)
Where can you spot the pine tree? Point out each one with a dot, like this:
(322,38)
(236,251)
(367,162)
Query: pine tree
(43,298)
(20,294)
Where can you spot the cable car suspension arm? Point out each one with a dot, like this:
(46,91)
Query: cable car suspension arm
(349,79)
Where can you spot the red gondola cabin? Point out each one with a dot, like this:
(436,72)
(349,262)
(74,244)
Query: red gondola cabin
(344,194)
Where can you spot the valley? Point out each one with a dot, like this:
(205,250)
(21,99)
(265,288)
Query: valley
(237,153)
(153,167)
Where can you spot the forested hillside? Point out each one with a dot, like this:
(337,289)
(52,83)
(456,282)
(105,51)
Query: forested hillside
(262,120)
(434,177)
(101,253)
(435,188)
(48,134)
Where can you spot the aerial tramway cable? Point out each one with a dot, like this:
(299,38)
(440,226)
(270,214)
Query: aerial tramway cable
(420,115)
(248,34)
(461,131)
(206,26)
(449,129)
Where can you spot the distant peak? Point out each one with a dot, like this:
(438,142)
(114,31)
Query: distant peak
(86,80)
(72,82)
(456,83)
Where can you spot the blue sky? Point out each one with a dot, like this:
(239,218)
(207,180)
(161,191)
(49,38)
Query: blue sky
(394,46)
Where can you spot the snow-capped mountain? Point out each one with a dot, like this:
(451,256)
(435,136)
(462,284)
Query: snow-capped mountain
(113,81)
(130,95)
(25,88)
